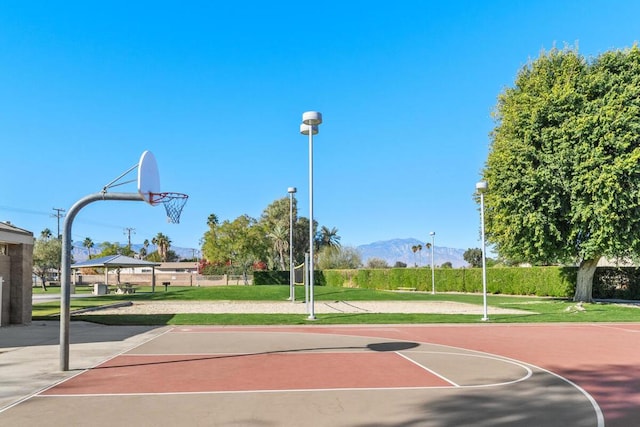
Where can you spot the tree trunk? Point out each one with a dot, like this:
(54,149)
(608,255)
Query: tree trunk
(584,283)
(281,255)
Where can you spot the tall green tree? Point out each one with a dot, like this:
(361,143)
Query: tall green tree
(144,250)
(278,212)
(45,234)
(47,253)
(473,256)
(301,238)
(328,237)
(109,248)
(279,236)
(414,249)
(427,247)
(275,220)
(564,163)
(88,243)
(163,243)
(238,244)
(377,263)
(331,257)
(212,220)
(171,256)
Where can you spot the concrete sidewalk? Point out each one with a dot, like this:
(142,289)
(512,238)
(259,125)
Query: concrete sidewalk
(30,355)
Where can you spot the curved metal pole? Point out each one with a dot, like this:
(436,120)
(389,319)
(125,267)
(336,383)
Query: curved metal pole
(65,291)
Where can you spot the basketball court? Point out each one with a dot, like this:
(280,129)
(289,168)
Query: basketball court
(342,376)
(395,375)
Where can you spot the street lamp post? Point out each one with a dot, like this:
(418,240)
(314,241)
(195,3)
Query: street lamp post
(481,188)
(292,291)
(433,273)
(310,122)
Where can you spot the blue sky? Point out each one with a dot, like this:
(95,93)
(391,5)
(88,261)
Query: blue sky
(216,91)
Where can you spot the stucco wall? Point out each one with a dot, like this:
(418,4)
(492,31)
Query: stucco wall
(21,256)
(178,279)
(5,295)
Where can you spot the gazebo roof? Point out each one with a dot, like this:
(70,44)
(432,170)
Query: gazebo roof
(115,261)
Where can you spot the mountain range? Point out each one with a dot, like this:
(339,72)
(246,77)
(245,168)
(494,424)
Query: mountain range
(396,250)
(391,251)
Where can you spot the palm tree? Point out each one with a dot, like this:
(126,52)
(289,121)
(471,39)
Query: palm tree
(419,254)
(427,246)
(414,249)
(280,237)
(144,250)
(88,243)
(212,220)
(329,238)
(163,243)
(45,234)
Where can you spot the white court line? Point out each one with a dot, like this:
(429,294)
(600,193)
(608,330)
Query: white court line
(80,371)
(617,328)
(529,372)
(594,404)
(294,390)
(442,377)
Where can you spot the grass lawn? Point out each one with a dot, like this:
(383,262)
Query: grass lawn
(540,309)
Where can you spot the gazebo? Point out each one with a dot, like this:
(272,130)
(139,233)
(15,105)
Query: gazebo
(118,261)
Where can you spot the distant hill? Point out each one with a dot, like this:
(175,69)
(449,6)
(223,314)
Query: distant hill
(389,250)
(400,250)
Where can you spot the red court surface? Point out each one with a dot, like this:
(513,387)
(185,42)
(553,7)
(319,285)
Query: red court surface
(392,375)
(184,374)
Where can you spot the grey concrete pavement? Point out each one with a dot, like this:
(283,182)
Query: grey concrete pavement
(30,355)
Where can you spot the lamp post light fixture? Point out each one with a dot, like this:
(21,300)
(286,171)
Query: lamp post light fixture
(481,188)
(433,273)
(292,291)
(310,122)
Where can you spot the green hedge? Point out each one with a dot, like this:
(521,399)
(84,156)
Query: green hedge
(542,281)
(608,282)
(617,283)
(282,278)
(270,277)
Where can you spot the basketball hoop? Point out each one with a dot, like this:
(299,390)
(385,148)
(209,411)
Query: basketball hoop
(173,204)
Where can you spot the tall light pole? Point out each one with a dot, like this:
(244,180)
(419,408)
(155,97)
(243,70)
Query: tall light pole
(310,122)
(433,273)
(292,291)
(481,188)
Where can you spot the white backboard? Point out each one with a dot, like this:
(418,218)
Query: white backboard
(148,176)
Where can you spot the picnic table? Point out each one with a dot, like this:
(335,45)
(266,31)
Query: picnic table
(126,288)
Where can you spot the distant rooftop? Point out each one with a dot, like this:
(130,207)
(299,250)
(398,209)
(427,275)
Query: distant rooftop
(9,233)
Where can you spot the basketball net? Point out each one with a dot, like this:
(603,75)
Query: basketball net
(173,204)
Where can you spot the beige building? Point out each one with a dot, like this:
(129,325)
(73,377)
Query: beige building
(16,269)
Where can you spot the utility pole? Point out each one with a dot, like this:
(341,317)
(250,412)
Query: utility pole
(59,214)
(128,232)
